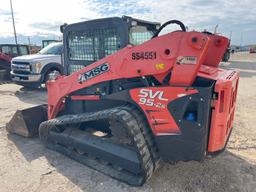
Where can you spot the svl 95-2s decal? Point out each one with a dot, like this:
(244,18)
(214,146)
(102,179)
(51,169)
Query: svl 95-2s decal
(148,97)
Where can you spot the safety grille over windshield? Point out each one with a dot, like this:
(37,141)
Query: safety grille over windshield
(92,46)
(73,68)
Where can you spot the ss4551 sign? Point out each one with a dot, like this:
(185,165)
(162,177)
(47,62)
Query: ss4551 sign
(144,55)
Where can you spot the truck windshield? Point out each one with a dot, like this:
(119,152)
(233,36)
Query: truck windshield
(52,49)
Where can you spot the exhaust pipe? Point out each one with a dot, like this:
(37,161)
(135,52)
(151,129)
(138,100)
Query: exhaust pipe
(26,122)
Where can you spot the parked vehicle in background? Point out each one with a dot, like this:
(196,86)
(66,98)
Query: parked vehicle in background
(7,52)
(226,55)
(48,42)
(253,50)
(14,50)
(34,70)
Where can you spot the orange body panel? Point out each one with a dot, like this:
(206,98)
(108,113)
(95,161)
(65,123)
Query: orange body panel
(223,107)
(159,118)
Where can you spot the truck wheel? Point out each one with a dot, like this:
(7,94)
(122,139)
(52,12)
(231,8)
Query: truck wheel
(29,86)
(47,76)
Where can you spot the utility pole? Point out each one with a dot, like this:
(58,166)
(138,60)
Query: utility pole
(241,41)
(13,23)
(29,45)
(230,35)
(215,29)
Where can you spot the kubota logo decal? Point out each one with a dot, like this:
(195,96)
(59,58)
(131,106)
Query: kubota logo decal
(150,98)
(93,72)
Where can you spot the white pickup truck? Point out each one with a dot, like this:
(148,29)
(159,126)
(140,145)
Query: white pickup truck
(34,70)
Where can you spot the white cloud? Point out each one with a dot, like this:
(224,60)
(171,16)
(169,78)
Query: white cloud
(44,11)
(236,16)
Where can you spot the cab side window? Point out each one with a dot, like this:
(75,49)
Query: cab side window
(139,34)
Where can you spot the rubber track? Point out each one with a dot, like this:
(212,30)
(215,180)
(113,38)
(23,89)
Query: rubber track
(138,129)
(148,135)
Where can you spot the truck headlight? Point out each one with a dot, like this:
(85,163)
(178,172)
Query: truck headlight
(38,67)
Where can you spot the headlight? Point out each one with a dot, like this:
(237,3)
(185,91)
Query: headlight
(38,67)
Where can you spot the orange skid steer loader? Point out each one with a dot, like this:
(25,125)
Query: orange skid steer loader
(131,98)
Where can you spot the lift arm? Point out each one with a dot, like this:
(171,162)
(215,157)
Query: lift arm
(173,59)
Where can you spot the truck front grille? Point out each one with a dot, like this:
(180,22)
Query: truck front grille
(20,63)
(21,67)
(21,72)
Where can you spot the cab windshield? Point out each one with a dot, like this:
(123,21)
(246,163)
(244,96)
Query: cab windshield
(52,49)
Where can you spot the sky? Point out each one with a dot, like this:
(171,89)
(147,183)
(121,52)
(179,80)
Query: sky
(40,19)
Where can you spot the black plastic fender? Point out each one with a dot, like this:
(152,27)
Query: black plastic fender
(49,67)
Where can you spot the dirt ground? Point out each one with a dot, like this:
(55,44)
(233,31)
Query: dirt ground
(25,165)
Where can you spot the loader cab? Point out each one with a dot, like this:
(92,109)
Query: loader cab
(89,41)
